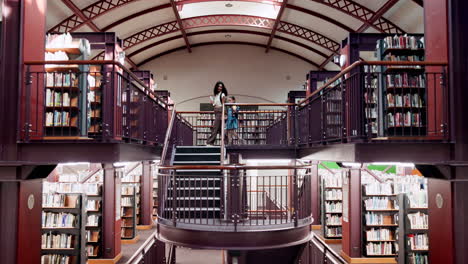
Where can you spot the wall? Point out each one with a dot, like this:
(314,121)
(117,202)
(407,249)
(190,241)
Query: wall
(244,70)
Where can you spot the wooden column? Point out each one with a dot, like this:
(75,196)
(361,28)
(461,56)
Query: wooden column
(315,191)
(9,201)
(111,221)
(146,190)
(352,214)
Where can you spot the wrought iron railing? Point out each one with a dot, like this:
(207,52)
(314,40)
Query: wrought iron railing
(89,100)
(378,101)
(235,199)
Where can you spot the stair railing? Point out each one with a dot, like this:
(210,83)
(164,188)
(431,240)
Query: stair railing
(168,137)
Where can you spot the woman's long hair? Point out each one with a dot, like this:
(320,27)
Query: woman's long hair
(215,90)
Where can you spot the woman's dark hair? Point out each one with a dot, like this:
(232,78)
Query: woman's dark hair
(215,90)
(233,98)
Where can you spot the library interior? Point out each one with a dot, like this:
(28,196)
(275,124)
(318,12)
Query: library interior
(339,128)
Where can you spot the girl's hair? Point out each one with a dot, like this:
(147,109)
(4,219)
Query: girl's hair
(233,98)
(215,90)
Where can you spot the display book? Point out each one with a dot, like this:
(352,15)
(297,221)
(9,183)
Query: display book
(92,190)
(66,86)
(154,172)
(332,203)
(252,127)
(381,211)
(403,88)
(63,237)
(130,201)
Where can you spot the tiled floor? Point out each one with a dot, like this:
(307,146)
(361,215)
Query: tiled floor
(198,256)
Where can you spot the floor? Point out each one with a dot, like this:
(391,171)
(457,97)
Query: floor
(198,256)
(129,249)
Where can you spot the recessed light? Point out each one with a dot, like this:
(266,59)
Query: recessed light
(227,36)
(228,5)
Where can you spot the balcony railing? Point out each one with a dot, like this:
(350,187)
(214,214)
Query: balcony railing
(371,101)
(89,100)
(235,199)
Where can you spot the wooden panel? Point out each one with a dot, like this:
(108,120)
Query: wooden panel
(441,239)
(352,229)
(315,189)
(8,220)
(146,189)
(29,222)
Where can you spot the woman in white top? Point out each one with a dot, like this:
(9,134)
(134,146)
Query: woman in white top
(217,100)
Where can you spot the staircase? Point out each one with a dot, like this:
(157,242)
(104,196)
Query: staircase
(198,192)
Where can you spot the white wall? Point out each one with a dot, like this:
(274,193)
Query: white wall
(245,70)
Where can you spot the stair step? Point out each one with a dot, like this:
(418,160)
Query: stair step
(195,198)
(198,149)
(196,162)
(195,209)
(197,157)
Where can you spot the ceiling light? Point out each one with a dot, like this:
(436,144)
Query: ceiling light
(228,5)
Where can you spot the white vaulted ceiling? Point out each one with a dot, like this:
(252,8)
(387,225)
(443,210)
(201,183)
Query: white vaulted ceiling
(309,29)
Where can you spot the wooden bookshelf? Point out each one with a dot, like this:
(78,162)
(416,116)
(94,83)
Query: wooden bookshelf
(94,232)
(69,241)
(129,215)
(331,195)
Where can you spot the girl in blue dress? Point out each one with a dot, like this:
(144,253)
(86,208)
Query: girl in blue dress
(232,122)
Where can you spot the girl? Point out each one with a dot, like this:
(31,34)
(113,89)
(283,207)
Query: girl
(220,93)
(232,122)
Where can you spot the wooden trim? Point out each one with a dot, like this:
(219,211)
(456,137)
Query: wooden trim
(131,241)
(144,227)
(368,260)
(316,227)
(329,241)
(106,261)
(67,138)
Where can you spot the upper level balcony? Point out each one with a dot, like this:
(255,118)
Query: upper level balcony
(371,111)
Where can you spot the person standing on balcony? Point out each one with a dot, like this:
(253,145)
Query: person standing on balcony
(220,93)
(232,122)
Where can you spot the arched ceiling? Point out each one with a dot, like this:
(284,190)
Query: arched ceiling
(311,30)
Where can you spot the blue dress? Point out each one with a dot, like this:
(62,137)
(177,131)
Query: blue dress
(232,122)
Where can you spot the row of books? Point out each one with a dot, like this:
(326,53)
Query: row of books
(71,187)
(60,79)
(380,203)
(92,236)
(381,218)
(414,58)
(403,42)
(92,250)
(331,180)
(418,220)
(333,194)
(60,118)
(56,56)
(407,100)
(59,200)
(131,178)
(333,106)
(418,241)
(54,98)
(418,258)
(380,248)
(376,234)
(332,219)
(407,119)
(93,220)
(56,259)
(50,240)
(334,231)
(334,120)
(376,188)
(370,98)
(371,112)
(405,80)
(333,207)
(127,201)
(54,220)
(93,205)
(127,190)
(418,199)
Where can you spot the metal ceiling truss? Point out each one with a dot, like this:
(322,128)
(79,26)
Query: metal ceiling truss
(378,15)
(275,27)
(240,31)
(225,43)
(362,13)
(93,27)
(346,6)
(232,20)
(92,11)
(181,26)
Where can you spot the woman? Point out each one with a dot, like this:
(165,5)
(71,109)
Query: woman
(217,100)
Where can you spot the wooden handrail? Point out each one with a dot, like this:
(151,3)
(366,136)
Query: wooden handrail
(240,111)
(168,135)
(101,62)
(360,63)
(230,167)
